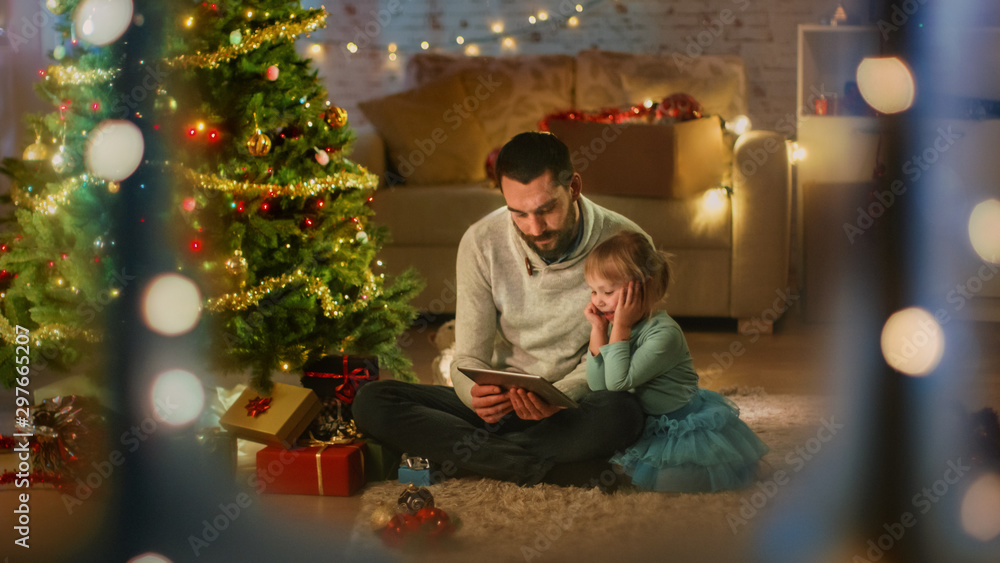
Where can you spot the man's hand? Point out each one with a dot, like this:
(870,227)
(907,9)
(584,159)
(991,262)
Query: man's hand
(529,406)
(490,402)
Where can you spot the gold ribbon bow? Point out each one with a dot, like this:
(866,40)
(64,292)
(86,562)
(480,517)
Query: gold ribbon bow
(323,445)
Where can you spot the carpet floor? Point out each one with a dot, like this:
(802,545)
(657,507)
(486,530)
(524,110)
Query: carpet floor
(504,522)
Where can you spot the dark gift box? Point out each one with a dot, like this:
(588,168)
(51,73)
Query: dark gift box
(340,376)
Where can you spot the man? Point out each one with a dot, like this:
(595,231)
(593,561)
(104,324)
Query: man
(521,294)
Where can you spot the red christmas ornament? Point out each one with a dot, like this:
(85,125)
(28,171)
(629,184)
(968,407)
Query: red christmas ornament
(435,522)
(679,107)
(400,528)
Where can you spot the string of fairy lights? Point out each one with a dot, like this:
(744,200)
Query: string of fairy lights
(502,34)
(241,42)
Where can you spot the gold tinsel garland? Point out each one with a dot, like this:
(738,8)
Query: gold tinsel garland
(314,186)
(48,332)
(69,74)
(286,30)
(59,196)
(331,307)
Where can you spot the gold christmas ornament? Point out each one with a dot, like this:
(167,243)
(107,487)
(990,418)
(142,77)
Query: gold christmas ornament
(237,264)
(36,151)
(335,117)
(114,187)
(259,144)
(56,6)
(381,516)
(61,161)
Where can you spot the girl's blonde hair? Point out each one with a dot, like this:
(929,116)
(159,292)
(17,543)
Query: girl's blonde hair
(629,256)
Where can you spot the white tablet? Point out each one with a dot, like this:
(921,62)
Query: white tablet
(507,380)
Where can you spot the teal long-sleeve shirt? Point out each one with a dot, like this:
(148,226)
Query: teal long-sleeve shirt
(654,363)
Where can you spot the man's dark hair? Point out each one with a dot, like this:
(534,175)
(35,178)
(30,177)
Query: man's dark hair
(529,155)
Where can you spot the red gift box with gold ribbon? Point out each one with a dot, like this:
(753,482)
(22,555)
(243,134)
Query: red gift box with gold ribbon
(331,470)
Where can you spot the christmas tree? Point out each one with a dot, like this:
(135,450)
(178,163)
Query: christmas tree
(271,218)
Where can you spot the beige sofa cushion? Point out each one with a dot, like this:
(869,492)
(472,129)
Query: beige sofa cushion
(433,215)
(508,94)
(645,159)
(613,79)
(428,140)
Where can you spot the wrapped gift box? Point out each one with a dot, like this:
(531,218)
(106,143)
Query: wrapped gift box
(419,477)
(380,463)
(339,377)
(415,470)
(278,419)
(337,470)
(653,160)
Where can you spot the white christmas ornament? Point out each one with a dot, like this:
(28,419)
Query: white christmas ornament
(114,149)
(101,22)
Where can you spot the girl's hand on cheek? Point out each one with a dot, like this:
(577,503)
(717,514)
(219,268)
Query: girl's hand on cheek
(631,307)
(595,317)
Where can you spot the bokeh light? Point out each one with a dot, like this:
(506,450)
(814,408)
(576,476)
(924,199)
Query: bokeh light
(114,149)
(178,397)
(101,22)
(886,84)
(912,341)
(984,230)
(149,558)
(714,201)
(171,304)
(981,508)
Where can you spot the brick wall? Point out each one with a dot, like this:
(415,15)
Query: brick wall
(763,32)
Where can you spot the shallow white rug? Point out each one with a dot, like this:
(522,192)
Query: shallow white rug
(504,522)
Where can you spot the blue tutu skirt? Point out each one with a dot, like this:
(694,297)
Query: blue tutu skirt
(701,447)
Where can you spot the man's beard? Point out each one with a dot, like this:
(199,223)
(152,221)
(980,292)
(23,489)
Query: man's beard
(564,238)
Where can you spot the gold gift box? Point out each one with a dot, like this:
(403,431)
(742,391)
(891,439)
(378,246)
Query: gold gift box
(277,419)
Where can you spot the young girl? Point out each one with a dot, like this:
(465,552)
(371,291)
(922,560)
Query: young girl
(694,439)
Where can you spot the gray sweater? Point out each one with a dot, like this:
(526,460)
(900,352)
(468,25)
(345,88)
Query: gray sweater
(508,319)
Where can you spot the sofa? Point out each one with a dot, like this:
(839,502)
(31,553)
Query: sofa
(723,213)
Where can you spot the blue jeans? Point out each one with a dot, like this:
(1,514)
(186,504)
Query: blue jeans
(432,422)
